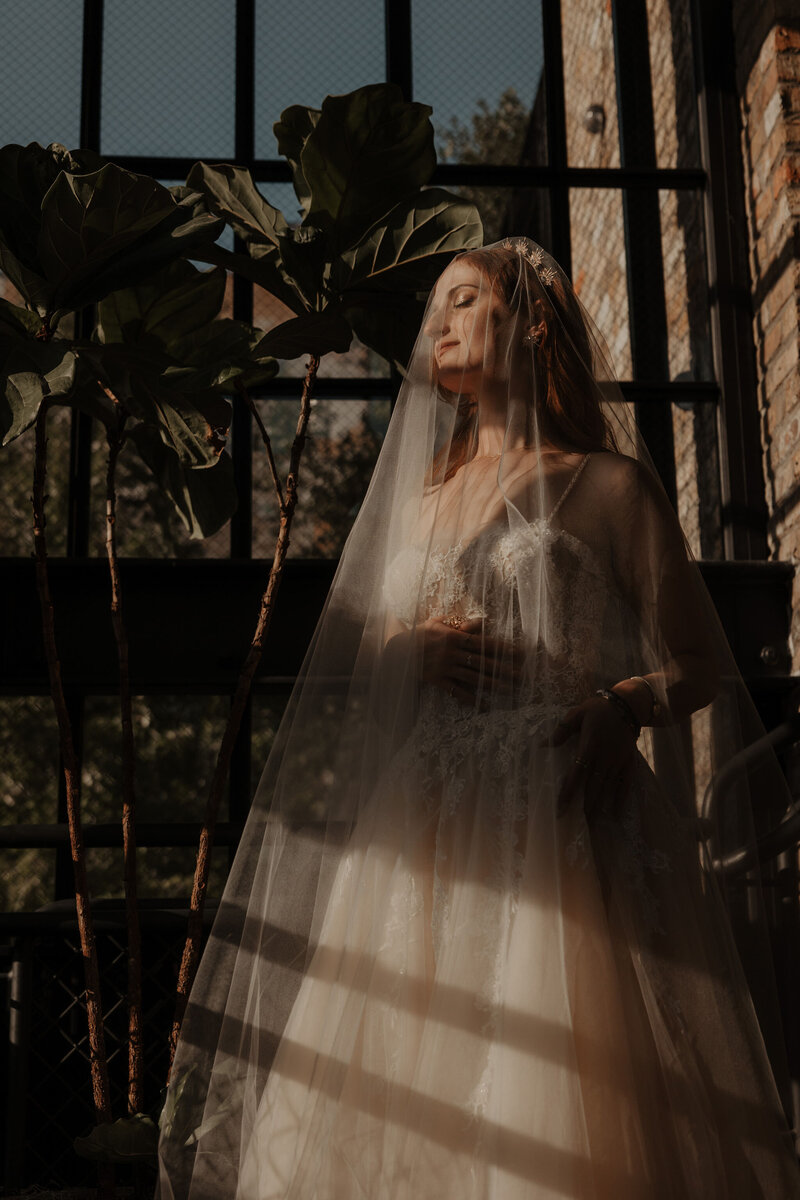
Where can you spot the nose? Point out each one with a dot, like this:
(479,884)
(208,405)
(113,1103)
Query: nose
(437,324)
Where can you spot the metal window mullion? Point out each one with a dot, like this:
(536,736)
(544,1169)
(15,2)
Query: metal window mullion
(81,425)
(241,427)
(399,53)
(642,231)
(556,123)
(744,510)
(239,778)
(273,170)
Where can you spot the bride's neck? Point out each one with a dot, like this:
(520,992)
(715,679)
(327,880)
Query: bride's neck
(494,437)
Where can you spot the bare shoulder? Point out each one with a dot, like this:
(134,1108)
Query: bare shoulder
(619,478)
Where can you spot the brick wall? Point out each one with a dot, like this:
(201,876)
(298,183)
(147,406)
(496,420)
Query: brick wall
(598,247)
(768,79)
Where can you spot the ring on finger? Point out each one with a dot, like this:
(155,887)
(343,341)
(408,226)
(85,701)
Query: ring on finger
(581,762)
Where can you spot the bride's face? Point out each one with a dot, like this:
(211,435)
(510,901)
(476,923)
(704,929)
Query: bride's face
(468,324)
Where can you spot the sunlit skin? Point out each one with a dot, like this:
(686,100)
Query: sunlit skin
(472,332)
(471,329)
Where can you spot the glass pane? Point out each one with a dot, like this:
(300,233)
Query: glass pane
(166,872)
(694,428)
(284,197)
(267,712)
(590,84)
(169,78)
(27,879)
(686,285)
(16,482)
(307,50)
(345,437)
(674,91)
(304,801)
(590,102)
(163,872)
(599,268)
(40,84)
(177,738)
(28,760)
(511,212)
(481,68)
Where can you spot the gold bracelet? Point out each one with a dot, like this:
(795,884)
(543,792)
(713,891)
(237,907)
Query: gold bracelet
(655,711)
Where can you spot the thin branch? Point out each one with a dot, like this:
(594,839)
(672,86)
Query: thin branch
(94,1011)
(191,951)
(135,1070)
(273,470)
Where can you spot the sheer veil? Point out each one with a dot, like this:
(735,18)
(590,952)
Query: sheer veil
(454,957)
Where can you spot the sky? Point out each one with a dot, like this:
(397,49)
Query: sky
(168,66)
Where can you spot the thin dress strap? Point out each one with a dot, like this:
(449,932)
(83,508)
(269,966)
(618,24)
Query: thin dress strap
(569,487)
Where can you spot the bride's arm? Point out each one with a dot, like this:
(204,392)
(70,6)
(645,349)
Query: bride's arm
(666,595)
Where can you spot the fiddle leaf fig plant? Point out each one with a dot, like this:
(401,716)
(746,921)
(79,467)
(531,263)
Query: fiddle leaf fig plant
(154,373)
(372,236)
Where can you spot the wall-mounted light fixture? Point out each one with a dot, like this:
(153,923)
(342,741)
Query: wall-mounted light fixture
(594,119)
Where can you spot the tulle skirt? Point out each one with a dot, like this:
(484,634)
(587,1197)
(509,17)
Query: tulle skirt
(505,1004)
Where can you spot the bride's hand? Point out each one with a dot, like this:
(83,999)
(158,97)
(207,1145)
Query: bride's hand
(461,660)
(605,752)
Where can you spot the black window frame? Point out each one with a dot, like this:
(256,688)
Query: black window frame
(718,179)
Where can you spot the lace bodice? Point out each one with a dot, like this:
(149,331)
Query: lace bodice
(497,575)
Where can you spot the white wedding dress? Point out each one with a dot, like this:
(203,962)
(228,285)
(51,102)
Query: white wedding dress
(504,1004)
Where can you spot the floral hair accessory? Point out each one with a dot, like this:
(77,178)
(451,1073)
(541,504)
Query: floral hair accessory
(545,274)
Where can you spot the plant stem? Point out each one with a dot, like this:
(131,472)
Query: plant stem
(135,1073)
(191,950)
(94,1011)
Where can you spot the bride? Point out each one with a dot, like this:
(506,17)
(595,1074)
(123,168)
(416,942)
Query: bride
(480,938)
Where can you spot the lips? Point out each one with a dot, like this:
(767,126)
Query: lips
(444,346)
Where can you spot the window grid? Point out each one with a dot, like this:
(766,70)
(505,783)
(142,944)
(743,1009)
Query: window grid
(637,180)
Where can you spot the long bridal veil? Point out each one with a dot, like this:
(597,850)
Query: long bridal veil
(427,977)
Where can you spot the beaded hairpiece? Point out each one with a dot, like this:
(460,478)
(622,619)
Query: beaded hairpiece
(545,274)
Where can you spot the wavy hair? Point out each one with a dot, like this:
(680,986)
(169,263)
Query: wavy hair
(570,413)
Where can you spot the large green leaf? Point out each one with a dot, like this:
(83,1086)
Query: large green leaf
(204,499)
(36,290)
(16,322)
(193,424)
(387,324)
(30,370)
(418,235)
(221,352)
(127,1140)
(292,132)
(230,193)
(26,175)
(305,255)
(163,309)
(88,395)
(26,383)
(170,320)
(369,150)
(111,229)
(263,265)
(314,333)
